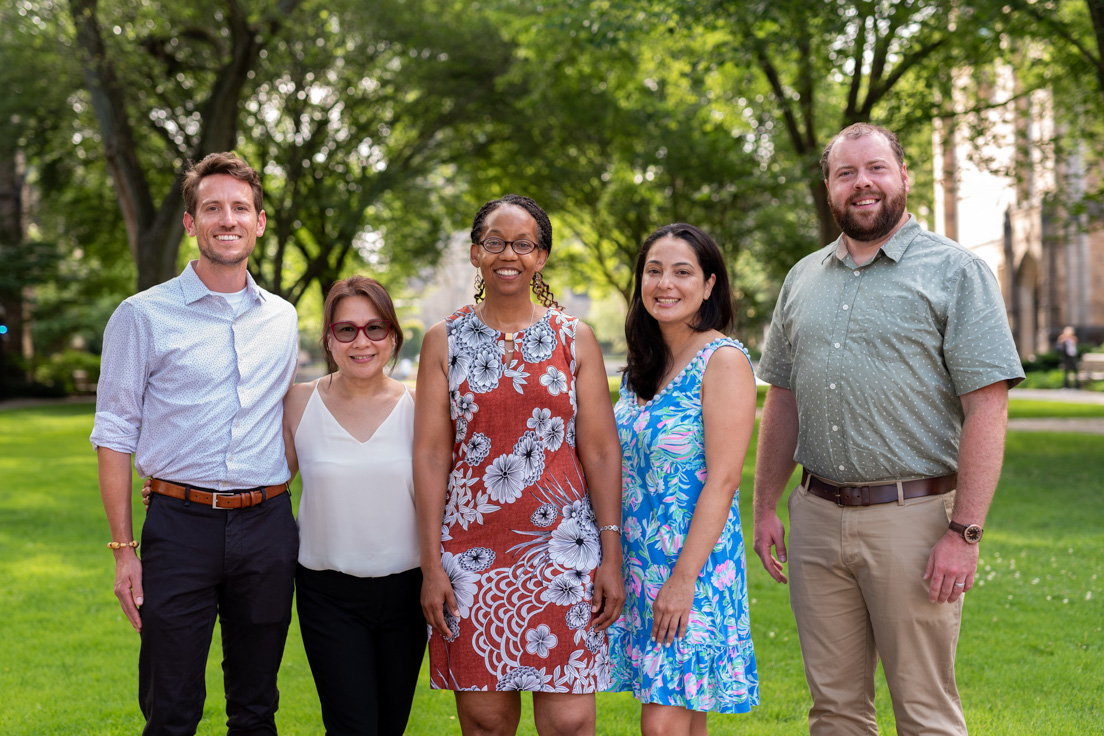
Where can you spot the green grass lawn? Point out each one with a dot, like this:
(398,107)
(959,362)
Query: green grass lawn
(1029,661)
(1038,409)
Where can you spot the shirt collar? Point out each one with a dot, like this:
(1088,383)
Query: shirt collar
(194,289)
(893,248)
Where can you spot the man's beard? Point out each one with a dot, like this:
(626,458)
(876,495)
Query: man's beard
(893,207)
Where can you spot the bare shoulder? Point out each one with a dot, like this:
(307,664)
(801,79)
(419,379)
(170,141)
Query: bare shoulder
(295,402)
(727,363)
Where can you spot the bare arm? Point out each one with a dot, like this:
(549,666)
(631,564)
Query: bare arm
(774,464)
(433,435)
(600,454)
(728,415)
(980,456)
(295,403)
(115,491)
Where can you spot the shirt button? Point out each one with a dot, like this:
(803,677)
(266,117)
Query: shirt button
(832,386)
(835,428)
(835,344)
(841,467)
(846,307)
(856,273)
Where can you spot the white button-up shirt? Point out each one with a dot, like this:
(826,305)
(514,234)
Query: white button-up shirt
(193,389)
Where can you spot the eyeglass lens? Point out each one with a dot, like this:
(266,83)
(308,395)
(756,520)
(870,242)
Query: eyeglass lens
(375,330)
(497,245)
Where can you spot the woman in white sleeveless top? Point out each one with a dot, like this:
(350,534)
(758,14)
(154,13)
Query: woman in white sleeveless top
(358,581)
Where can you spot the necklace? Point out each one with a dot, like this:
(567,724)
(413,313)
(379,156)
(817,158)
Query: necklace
(508,336)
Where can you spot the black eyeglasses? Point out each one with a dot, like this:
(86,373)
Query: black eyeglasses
(497,245)
(374,329)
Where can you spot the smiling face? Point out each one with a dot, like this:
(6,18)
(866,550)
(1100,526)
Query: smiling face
(507,272)
(361,358)
(673,284)
(226,223)
(867,188)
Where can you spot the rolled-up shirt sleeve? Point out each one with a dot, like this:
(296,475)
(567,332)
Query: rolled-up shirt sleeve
(124,371)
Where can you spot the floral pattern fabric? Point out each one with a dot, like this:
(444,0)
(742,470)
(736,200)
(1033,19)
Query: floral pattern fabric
(663,472)
(519,540)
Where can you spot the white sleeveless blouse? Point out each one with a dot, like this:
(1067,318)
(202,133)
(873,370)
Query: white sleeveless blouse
(356,515)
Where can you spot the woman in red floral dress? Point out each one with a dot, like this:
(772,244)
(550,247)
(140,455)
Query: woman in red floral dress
(518,487)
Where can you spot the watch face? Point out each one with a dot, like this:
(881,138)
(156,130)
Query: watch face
(972,534)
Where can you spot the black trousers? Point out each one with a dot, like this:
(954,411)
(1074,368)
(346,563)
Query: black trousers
(365,639)
(199,563)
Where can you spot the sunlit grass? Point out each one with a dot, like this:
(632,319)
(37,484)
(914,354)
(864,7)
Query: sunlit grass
(1028,661)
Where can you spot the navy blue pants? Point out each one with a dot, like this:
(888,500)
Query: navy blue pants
(200,563)
(365,639)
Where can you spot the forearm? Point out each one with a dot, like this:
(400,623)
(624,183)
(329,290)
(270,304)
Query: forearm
(981,452)
(708,522)
(774,462)
(115,492)
(430,489)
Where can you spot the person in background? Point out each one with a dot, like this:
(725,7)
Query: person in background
(518,492)
(1067,351)
(890,359)
(685,417)
(193,377)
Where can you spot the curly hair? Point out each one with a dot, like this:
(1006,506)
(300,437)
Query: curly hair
(544,240)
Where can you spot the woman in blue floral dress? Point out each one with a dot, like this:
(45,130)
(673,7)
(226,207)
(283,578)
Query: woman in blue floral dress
(683,643)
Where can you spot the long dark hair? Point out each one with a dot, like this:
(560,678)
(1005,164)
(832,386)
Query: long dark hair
(649,357)
(544,240)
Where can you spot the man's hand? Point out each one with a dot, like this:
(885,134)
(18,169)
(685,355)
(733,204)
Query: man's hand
(128,585)
(770,535)
(952,565)
(146,491)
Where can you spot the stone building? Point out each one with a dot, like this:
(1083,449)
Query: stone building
(1006,191)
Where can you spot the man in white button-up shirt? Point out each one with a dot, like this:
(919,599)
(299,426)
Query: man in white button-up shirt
(889,359)
(193,375)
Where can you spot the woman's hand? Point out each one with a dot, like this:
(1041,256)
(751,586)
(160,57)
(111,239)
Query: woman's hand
(671,610)
(146,491)
(436,595)
(609,594)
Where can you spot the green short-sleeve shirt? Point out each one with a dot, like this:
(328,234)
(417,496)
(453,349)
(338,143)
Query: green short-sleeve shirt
(877,355)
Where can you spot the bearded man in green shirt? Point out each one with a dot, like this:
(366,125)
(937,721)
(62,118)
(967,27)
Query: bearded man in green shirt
(890,359)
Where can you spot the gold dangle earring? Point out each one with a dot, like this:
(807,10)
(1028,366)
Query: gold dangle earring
(480,287)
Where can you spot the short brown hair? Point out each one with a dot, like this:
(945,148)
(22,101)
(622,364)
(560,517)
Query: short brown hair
(373,291)
(858,130)
(219,163)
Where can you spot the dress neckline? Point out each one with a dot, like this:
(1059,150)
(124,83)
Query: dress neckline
(678,377)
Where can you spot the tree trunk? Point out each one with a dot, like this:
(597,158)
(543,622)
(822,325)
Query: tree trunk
(11,295)
(154,232)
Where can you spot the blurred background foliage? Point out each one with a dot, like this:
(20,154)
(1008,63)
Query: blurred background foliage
(380,127)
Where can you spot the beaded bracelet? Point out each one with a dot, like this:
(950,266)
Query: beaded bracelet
(609,528)
(133,544)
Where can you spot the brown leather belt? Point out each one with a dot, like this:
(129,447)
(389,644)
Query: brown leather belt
(217,499)
(883,493)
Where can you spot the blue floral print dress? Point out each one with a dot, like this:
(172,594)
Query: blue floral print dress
(663,471)
(519,540)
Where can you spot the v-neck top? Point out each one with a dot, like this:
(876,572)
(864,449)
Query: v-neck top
(357,511)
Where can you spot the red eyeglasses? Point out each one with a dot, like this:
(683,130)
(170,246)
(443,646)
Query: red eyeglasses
(375,330)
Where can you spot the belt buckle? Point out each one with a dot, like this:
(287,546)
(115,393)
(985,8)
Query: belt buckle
(215,495)
(839,496)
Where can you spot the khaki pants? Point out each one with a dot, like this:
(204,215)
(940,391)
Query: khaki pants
(857,592)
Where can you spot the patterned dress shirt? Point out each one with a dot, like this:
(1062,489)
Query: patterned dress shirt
(878,355)
(194,390)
